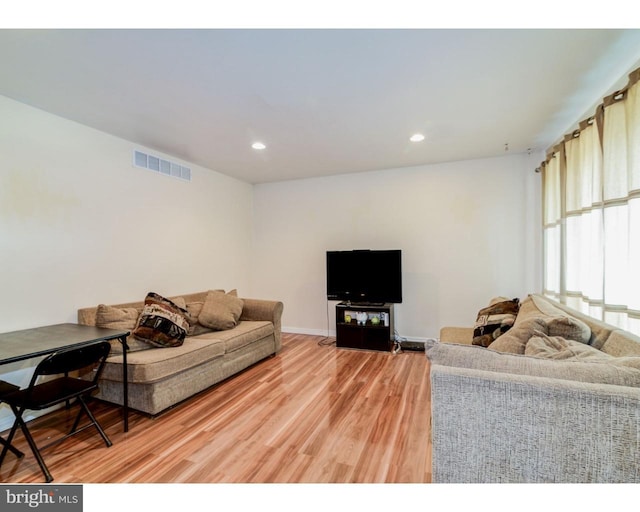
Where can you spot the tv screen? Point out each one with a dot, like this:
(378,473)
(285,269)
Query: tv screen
(365,276)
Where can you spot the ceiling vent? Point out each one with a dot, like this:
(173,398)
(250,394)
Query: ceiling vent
(160,165)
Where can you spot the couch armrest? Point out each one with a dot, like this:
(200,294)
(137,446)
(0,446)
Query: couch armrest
(463,335)
(266,310)
(499,427)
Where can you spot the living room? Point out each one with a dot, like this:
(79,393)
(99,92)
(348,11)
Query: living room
(81,225)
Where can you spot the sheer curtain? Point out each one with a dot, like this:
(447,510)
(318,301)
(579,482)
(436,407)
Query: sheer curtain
(553,226)
(584,225)
(591,206)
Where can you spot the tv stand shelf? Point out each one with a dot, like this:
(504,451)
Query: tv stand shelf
(376,333)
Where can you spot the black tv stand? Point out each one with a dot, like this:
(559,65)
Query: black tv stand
(375,333)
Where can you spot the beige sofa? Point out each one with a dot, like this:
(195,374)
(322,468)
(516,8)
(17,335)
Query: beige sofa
(538,407)
(159,378)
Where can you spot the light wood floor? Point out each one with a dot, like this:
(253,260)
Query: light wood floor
(313,414)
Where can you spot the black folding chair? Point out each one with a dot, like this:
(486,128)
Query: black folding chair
(38,396)
(5,389)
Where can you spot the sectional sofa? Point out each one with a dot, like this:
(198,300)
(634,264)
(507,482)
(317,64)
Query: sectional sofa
(557,399)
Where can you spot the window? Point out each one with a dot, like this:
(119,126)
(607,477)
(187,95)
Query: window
(591,205)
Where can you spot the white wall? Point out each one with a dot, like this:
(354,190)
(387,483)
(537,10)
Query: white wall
(79,225)
(468,231)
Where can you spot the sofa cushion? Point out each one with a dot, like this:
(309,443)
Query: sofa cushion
(111,317)
(245,333)
(494,320)
(622,343)
(162,322)
(462,335)
(221,311)
(621,372)
(153,365)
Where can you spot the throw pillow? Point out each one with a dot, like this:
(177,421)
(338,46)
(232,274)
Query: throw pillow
(162,322)
(515,341)
(182,304)
(221,311)
(194,308)
(569,328)
(196,328)
(110,317)
(494,320)
(560,323)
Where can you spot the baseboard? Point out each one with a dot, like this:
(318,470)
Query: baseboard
(312,332)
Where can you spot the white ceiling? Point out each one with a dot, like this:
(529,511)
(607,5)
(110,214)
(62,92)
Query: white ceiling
(324,101)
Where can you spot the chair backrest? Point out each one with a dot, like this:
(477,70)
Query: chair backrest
(69,360)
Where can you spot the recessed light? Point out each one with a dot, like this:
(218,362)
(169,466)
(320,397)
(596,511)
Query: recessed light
(416,137)
(258,145)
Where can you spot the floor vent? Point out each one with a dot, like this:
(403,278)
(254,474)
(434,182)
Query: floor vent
(160,165)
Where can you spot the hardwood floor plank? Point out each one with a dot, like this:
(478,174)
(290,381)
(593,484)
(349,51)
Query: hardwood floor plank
(313,413)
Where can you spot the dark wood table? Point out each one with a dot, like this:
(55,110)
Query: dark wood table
(41,341)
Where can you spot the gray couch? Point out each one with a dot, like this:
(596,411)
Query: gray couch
(159,378)
(538,407)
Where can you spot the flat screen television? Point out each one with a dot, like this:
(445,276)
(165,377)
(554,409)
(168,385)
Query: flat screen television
(369,276)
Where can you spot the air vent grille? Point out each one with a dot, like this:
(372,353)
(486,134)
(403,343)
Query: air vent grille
(160,165)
